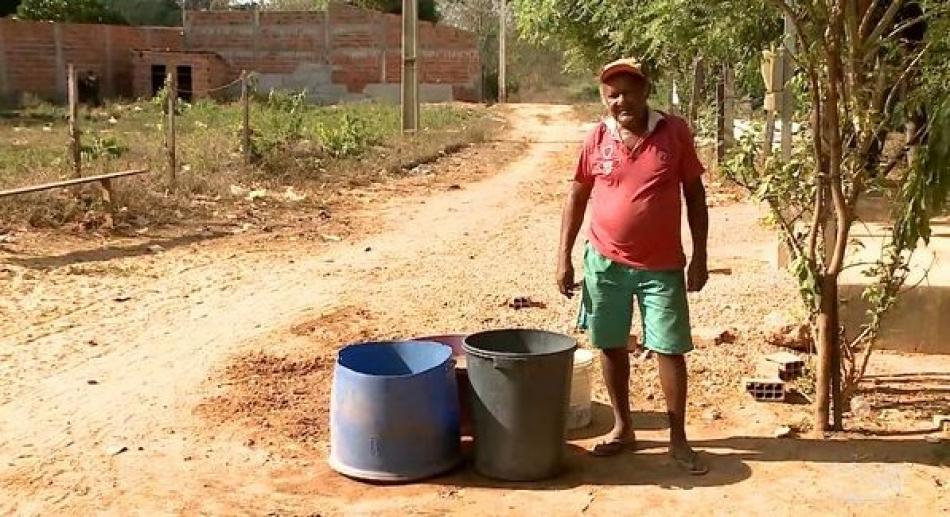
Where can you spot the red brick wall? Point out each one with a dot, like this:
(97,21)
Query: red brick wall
(361,47)
(34,55)
(358,47)
(208,72)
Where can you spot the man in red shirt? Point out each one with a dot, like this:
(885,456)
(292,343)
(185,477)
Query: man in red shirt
(632,169)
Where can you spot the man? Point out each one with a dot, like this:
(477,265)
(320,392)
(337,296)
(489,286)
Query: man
(632,168)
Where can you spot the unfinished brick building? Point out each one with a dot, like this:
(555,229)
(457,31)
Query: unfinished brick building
(340,54)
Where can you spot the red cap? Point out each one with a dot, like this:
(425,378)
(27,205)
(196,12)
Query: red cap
(627,65)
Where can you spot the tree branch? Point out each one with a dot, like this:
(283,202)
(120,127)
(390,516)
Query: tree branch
(866,20)
(906,25)
(892,95)
(902,152)
(833,55)
(903,77)
(787,10)
(886,20)
(882,25)
(819,165)
(789,231)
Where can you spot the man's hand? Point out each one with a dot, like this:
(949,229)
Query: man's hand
(565,279)
(696,275)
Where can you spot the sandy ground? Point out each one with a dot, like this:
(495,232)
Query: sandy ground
(196,380)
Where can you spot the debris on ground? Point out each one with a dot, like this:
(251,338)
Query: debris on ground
(711,415)
(860,407)
(115,450)
(782,331)
(524,302)
(256,194)
(293,196)
(156,248)
(713,336)
(783,431)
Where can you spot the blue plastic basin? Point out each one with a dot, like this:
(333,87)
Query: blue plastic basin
(394,411)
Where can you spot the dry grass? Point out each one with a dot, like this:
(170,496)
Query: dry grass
(308,147)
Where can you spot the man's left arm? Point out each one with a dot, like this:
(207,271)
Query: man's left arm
(698,217)
(691,172)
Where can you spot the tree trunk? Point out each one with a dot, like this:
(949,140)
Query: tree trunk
(836,395)
(827,343)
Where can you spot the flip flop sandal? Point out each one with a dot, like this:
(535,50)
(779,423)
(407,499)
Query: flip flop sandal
(612,448)
(692,464)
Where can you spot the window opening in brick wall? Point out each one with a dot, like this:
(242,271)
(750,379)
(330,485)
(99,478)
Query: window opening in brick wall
(158,78)
(185,86)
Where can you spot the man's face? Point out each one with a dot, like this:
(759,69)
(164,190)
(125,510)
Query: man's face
(626,97)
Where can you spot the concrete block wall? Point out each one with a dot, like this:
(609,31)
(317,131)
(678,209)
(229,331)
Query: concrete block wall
(34,55)
(342,53)
(339,54)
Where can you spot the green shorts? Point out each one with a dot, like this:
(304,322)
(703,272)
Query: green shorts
(607,305)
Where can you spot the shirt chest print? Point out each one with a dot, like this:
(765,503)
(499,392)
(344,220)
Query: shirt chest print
(607,158)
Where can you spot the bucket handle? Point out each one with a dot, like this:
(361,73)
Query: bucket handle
(506,363)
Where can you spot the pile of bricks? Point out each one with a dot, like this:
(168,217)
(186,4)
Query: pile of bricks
(769,384)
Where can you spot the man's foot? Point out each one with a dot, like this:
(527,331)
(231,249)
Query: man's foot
(688,460)
(615,443)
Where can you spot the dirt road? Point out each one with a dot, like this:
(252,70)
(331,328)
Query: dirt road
(201,387)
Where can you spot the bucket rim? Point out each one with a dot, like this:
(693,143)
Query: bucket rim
(450,360)
(478,352)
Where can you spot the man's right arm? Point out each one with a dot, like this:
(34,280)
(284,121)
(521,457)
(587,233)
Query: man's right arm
(571,220)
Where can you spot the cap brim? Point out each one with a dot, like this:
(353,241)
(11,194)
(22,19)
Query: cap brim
(621,69)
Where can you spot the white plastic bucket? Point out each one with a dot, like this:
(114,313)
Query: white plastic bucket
(578,413)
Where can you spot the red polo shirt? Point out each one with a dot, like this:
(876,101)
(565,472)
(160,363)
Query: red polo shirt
(635,201)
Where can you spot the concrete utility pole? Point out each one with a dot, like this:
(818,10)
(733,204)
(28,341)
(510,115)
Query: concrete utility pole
(410,70)
(788,103)
(502,53)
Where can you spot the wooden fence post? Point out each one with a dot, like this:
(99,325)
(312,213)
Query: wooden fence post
(246,108)
(729,104)
(695,93)
(171,87)
(768,137)
(720,120)
(75,146)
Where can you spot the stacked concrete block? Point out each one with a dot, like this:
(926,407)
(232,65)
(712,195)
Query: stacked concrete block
(789,365)
(765,389)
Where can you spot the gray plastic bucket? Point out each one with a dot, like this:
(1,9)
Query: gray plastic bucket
(521,386)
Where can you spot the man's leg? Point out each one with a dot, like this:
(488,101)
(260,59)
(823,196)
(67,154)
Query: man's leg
(666,330)
(608,298)
(673,379)
(616,365)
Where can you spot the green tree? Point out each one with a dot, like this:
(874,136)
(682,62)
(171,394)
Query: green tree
(856,61)
(667,35)
(8,7)
(427,8)
(73,11)
(147,12)
(855,58)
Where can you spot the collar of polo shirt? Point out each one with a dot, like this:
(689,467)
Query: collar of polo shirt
(613,127)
